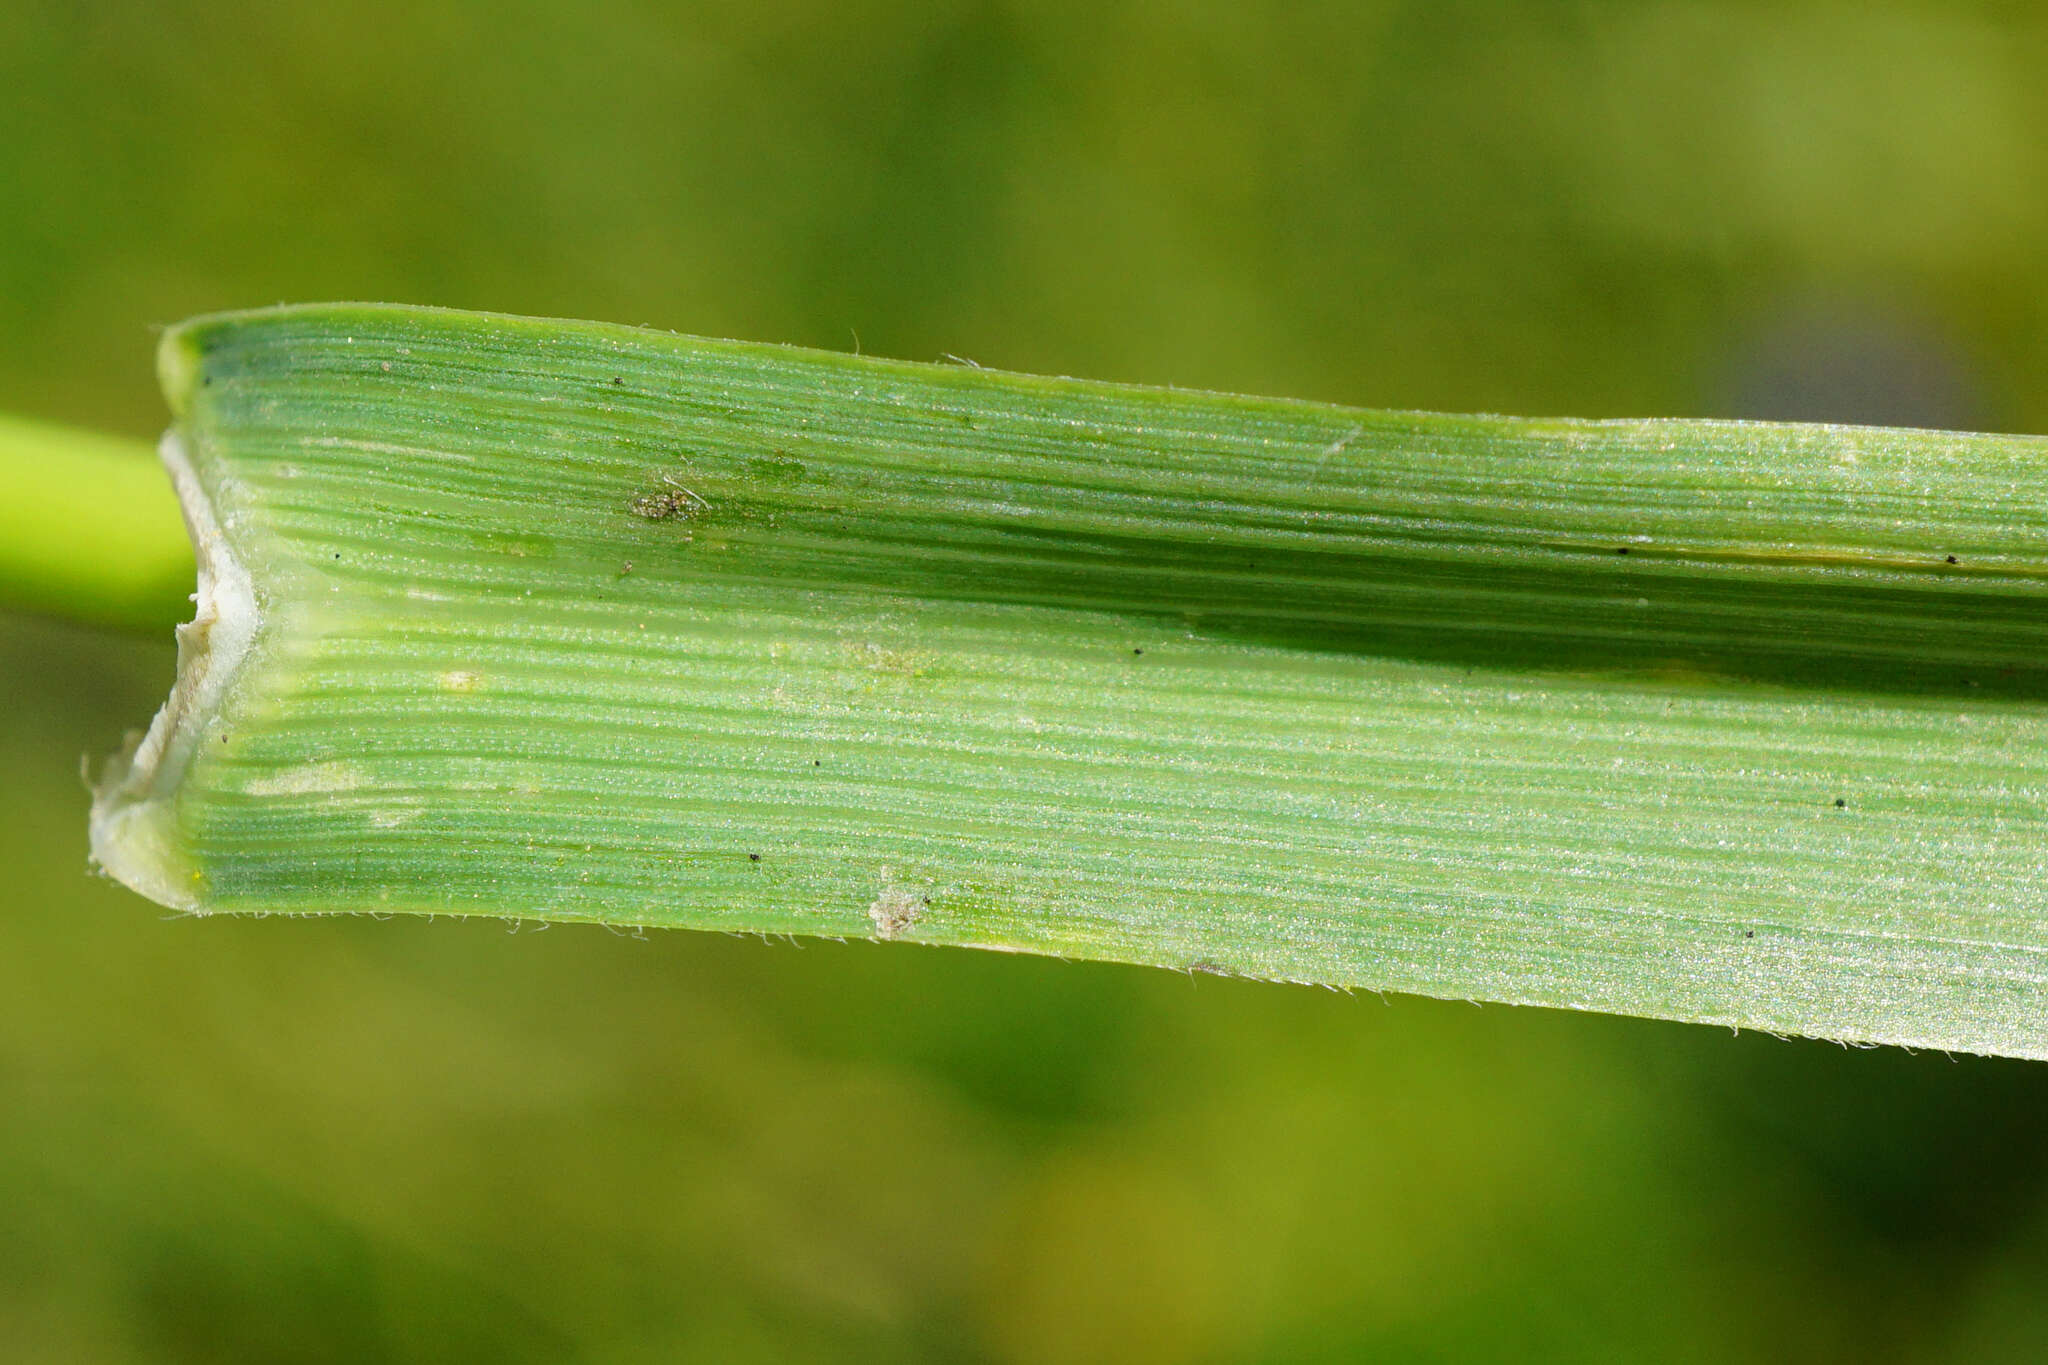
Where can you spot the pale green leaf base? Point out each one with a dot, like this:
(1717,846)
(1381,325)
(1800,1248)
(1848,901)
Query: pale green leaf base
(1710,721)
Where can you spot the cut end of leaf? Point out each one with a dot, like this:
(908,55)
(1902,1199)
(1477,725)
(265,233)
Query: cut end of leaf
(134,813)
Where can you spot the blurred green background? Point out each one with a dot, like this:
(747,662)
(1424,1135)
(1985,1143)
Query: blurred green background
(230,1141)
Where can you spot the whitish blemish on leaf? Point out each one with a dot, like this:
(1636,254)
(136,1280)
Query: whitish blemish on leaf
(670,502)
(307,780)
(895,910)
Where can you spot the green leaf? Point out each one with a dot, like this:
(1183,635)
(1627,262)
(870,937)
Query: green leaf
(1715,721)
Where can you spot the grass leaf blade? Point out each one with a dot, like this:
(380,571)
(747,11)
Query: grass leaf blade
(1727,722)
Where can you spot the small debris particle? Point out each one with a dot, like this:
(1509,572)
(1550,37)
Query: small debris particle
(1749,933)
(1841,804)
(385,366)
(1337,446)
(896,910)
(625,568)
(753,857)
(617,380)
(1951,559)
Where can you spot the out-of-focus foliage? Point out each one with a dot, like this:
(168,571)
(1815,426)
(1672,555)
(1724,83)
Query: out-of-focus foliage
(360,1141)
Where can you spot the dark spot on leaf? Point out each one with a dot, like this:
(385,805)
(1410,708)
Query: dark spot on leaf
(1137,651)
(775,469)
(1840,804)
(1621,549)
